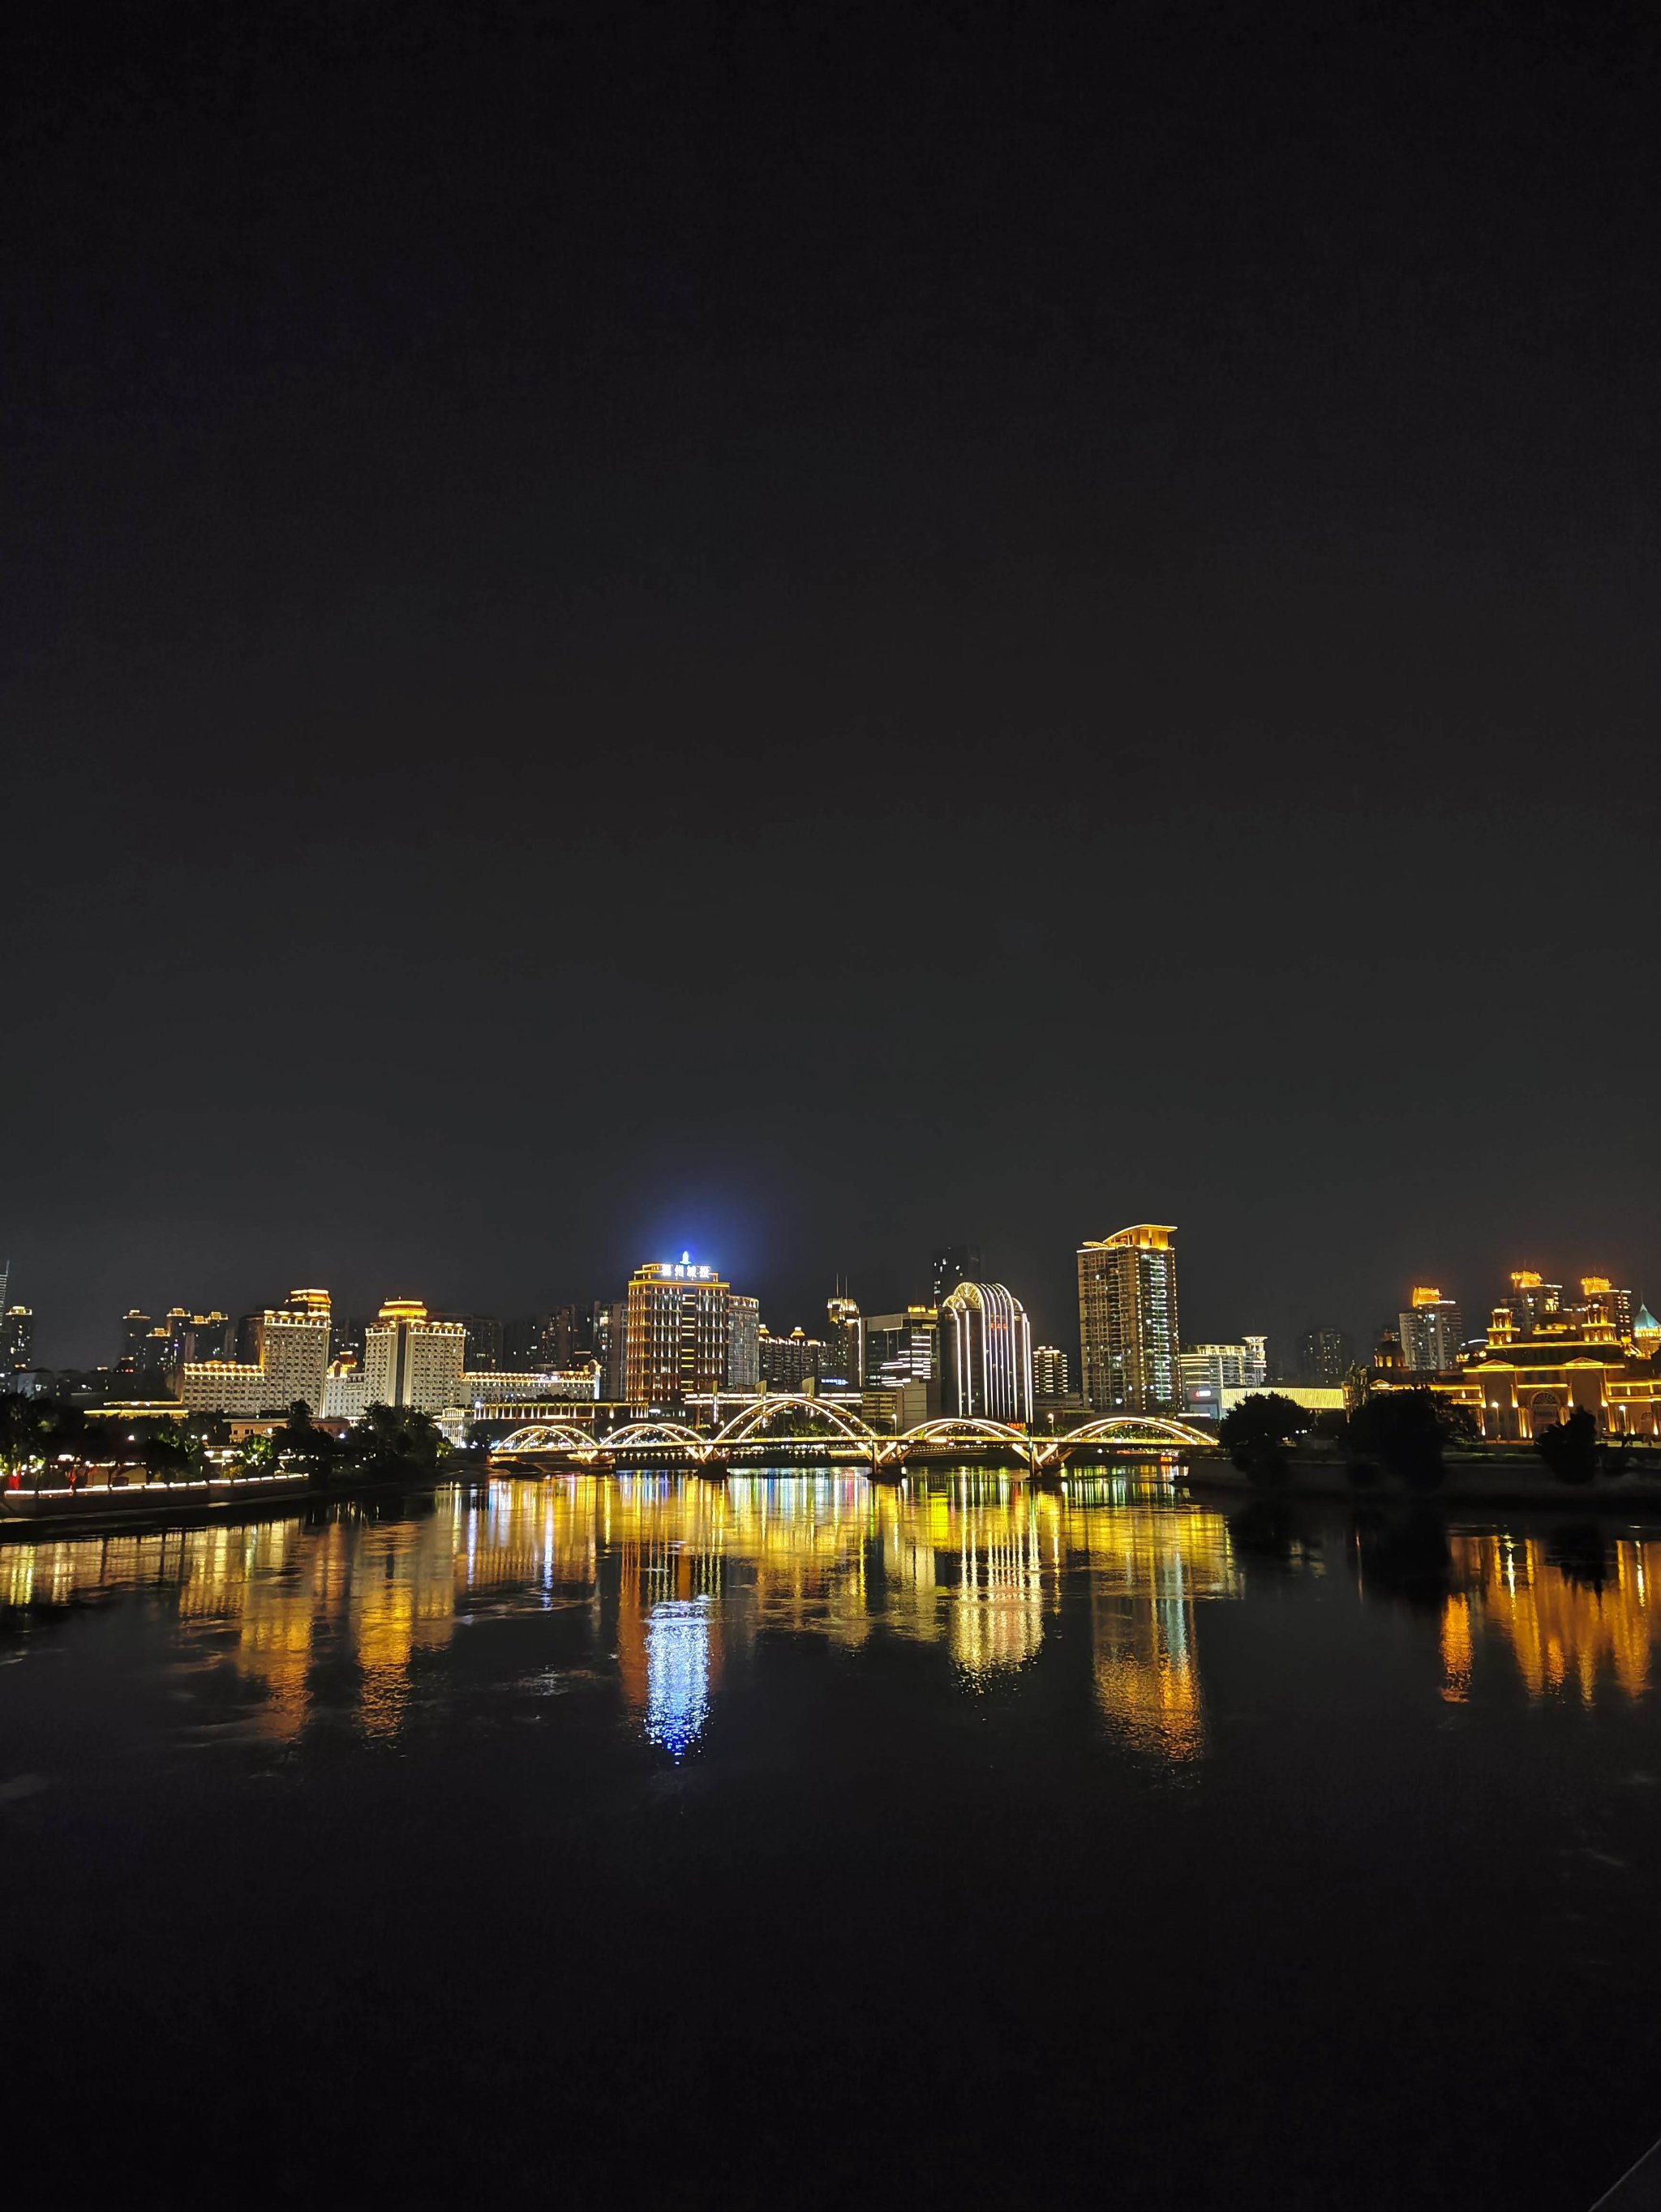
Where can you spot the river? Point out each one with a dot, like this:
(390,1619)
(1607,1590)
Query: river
(796,1841)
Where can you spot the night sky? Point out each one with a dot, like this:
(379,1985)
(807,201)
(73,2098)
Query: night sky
(808,631)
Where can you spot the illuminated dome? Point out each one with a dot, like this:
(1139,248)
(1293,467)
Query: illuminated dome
(1646,1329)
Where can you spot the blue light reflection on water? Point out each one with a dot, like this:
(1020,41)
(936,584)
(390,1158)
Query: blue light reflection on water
(677,1673)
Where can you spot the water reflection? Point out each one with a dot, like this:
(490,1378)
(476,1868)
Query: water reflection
(670,1584)
(1562,1627)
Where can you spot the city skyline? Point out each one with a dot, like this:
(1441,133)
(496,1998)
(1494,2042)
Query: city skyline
(1056,1319)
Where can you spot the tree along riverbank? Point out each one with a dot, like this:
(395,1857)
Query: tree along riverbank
(1513,1479)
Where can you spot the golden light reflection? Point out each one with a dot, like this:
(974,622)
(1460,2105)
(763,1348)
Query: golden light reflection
(680,1579)
(1564,1631)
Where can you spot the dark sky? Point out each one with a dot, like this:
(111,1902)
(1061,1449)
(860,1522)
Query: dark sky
(809,630)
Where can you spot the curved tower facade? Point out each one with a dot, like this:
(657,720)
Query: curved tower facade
(986,1347)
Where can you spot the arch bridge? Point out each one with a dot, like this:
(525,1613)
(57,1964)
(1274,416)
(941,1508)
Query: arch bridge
(802,1428)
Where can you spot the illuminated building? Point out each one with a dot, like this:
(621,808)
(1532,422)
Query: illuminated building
(1602,1300)
(134,1328)
(744,1332)
(953,1264)
(1208,1370)
(16,1338)
(790,1362)
(291,1344)
(1128,1321)
(1532,1301)
(1431,1331)
(1313,1397)
(221,1386)
(986,1348)
(904,1348)
(1517,1384)
(1646,1333)
(1051,1372)
(503,1386)
(1325,1356)
(345,1389)
(844,1348)
(676,1335)
(409,1358)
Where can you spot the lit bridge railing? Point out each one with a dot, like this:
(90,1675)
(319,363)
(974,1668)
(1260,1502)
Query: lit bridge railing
(836,1434)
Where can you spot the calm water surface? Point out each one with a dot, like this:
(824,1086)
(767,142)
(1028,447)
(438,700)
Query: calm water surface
(792,1841)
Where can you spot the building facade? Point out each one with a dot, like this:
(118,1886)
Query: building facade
(743,1342)
(902,1348)
(409,1358)
(543,1385)
(291,1347)
(1128,1321)
(986,1348)
(790,1362)
(1326,1357)
(17,1339)
(1052,1371)
(1432,1331)
(676,1332)
(1208,1371)
(952,1264)
(291,1344)
(844,1344)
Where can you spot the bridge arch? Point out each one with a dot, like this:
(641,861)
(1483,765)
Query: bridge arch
(968,1429)
(545,1436)
(1128,1429)
(655,1436)
(745,1424)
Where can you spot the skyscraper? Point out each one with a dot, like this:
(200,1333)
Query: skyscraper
(986,1347)
(1326,1357)
(1431,1331)
(844,1348)
(954,1264)
(677,1336)
(743,1370)
(1127,1319)
(1052,1371)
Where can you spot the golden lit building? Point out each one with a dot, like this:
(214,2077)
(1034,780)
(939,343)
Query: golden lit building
(410,1359)
(675,1340)
(1128,1321)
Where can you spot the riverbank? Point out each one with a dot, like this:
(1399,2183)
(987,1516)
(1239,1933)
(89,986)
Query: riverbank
(98,1510)
(1517,1479)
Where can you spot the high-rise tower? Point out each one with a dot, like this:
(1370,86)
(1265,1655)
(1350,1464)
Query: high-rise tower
(1127,1328)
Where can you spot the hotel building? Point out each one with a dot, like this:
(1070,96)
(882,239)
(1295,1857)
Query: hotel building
(411,1359)
(677,1332)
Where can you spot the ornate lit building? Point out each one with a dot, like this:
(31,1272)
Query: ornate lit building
(986,1346)
(1127,1328)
